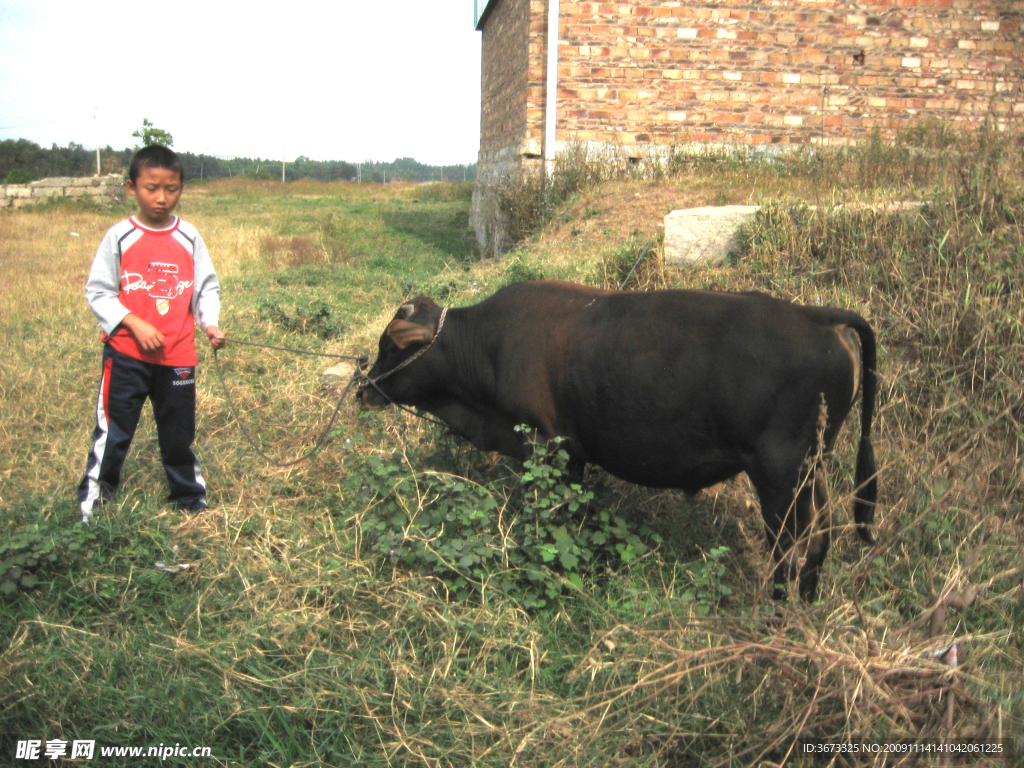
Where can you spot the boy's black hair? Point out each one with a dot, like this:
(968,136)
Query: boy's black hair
(155,156)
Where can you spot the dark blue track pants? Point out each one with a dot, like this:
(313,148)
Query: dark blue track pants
(124,386)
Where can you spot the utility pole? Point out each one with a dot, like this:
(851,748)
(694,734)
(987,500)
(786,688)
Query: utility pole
(282,163)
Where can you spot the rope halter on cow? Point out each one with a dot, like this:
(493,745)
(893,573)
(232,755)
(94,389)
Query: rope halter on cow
(366,381)
(415,357)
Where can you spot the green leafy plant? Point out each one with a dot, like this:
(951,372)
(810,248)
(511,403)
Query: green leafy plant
(533,541)
(516,270)
(33,550)
(706,587)
(635,265)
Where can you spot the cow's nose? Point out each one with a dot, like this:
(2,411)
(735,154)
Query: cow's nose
(369,398)
(365,395)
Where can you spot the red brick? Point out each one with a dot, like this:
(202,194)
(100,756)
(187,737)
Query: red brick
(610,51)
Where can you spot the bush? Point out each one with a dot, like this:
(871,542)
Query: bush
(532,541)
(19,176)
(530,201)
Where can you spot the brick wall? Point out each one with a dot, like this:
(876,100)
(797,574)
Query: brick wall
(642,75)
(503,84)
(784,72)
(505,66)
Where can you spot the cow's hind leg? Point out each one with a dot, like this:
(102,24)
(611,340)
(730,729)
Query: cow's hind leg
(815,539)
(793,506)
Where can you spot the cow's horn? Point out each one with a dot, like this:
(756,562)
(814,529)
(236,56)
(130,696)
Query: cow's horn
(406,310)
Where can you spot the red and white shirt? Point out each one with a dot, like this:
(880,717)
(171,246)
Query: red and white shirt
(163,276)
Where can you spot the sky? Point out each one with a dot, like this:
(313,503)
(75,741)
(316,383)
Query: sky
(337,80)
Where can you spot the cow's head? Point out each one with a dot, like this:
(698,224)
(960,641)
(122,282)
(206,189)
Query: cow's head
(414,328)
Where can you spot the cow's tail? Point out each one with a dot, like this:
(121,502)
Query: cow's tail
(866,477)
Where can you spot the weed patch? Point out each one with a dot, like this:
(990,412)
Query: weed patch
(31,553)
(317,320)
(530,541)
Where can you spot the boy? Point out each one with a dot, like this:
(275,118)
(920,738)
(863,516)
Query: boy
(150,281)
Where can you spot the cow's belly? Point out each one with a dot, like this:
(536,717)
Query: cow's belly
(690,479)
(660,462)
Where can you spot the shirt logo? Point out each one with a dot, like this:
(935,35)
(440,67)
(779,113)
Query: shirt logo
(161,281)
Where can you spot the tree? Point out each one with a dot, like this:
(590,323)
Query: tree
(149,135)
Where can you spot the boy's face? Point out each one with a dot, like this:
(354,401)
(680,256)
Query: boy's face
(157,191)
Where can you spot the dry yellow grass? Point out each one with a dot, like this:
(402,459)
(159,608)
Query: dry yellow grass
(288,643)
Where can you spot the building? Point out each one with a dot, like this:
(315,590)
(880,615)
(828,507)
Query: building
(637,77)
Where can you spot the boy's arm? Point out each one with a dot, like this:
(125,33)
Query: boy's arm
(104,285)
(206,295)
(206,290)
(102,289)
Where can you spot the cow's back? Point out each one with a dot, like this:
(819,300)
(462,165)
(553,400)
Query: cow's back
(670,388)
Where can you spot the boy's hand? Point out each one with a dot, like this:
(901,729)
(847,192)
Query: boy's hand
(216,337)
(149,338)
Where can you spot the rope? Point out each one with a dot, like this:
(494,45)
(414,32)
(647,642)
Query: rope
(321,440)
(294,351)
(362,377)
(357,376)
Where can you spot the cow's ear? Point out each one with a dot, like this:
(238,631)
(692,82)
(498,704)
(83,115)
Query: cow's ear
(404,333)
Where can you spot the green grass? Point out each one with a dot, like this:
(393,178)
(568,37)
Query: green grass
(289,642)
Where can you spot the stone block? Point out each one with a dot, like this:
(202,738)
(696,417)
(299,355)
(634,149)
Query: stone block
(338,375)
(56,181)
(704,235)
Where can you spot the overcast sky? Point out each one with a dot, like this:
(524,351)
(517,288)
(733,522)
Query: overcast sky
(337,80)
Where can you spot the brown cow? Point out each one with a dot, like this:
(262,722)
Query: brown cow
(669,389)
